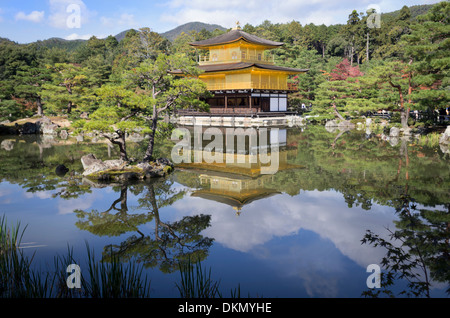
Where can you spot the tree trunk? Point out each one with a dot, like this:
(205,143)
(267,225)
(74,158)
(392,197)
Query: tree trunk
(404,114)
(367,48)
(121,143)
(69,107)
(151,143)
(40,110)
(353,51)
(323,50)
(336,112)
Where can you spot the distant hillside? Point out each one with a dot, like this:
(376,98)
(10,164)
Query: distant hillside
(119,37)
(191,26)
(69,45)
(415,11)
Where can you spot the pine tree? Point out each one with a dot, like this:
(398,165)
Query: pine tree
(427,50)
(28,84)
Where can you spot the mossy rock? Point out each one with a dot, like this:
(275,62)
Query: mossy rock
(130,173)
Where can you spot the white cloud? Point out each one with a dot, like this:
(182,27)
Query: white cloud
(226,13)
(35,16)
(124,20)
(75,36)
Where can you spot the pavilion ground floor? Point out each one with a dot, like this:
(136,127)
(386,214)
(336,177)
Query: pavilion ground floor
(253,103)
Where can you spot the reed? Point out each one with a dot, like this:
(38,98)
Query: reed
(113,279)
(196,282)
(105,278)
(16,276)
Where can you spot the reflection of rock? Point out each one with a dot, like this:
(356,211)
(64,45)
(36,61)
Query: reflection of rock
(393,141)
(63,134)
(118,170)
(8,144)
(444,148)
(445,138)
(394,132)
(343,125)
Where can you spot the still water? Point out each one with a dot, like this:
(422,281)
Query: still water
(295,233)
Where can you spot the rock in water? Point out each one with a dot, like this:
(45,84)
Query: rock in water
(61,170)
(119,170)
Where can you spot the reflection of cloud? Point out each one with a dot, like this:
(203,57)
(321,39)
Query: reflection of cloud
(81,203)
(43,195)
(324,213)
(310,236)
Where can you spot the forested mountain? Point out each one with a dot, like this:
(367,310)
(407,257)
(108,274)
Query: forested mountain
(414,10)
(189,27)
(59,43)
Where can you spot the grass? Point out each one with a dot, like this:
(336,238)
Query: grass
(429,140)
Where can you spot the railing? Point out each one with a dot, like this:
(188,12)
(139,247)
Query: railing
(220,111)
(252,85)
(228,58)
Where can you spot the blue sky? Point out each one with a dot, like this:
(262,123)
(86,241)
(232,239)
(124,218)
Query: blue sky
(28,21)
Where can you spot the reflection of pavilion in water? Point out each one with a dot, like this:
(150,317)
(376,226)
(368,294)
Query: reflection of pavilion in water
(243,180)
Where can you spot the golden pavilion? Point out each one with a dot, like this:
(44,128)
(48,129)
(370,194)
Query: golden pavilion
(242,76)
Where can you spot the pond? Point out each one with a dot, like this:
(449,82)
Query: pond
(295,233)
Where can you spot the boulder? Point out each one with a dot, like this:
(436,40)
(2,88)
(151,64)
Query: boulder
(27,129)
(118,170)
(46,127)
(406,131)
(92,165)
(61,170)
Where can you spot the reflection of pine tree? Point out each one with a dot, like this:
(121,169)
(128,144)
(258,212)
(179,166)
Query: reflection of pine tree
(423,251)
(170,243)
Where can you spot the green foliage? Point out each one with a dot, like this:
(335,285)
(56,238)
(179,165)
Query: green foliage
(417,252)
(78,68)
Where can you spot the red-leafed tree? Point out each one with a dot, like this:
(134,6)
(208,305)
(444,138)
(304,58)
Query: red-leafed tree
(344,70)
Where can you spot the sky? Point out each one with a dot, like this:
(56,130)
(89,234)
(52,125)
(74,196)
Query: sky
(29,21)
